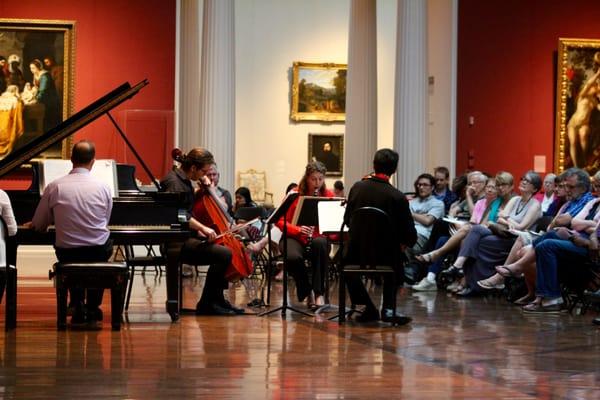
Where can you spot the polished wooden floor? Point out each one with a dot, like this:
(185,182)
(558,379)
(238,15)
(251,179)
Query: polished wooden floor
(455,348)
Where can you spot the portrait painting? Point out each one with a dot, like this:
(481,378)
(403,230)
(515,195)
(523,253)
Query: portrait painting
(36,75)
(577,137)
(318,92)
(327,148)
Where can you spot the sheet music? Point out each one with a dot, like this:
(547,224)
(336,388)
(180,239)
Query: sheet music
(455,221)
(104,170)
(331,216)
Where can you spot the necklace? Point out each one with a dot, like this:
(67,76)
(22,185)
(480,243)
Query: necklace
(521,206)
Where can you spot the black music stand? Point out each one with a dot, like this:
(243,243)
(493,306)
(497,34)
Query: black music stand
(281,211)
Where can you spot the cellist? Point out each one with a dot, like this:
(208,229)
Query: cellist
(201,250)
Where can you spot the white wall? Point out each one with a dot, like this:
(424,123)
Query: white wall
(270,36)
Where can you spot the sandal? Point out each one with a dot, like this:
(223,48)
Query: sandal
(425,258)
(523,301)
(489,284)
(507,272)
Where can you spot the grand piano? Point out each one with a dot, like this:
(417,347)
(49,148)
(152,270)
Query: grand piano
(137,218)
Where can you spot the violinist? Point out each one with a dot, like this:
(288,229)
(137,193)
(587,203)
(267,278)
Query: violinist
(202,249)
(304,241)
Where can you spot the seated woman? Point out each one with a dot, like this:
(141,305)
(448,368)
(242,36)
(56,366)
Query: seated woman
(485,210)
(487,249)
(202,250)
(304,241)
(243,198)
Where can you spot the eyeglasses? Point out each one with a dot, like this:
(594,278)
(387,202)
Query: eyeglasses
(524,179)
(423,185)
(570,186)
(491,187)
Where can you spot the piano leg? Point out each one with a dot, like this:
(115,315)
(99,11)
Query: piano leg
(173,266)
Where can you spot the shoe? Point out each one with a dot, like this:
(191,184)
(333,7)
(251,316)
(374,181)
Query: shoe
(369,315)
(453,273)
(398,319)
(237,310)
(523,301)
(540,308)
(465,292)
(506,272)
(425,258)
(596,321)
(453,286)
(490,285)
(214,309)
(95,315)
(425,286)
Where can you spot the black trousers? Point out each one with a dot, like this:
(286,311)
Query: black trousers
(359,295)
(318,255)
(91,297)
(198,252)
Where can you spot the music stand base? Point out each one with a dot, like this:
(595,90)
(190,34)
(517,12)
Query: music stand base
(284,311)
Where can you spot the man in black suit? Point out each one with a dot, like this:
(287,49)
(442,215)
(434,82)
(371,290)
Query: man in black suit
(376,191)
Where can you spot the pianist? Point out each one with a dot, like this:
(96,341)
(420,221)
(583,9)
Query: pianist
(79,206)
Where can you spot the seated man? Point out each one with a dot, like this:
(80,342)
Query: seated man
(376,191)
(425,210)
(442,190)
(79,206)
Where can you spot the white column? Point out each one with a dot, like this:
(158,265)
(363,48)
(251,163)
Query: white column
(217,87)
(410,107)
(361,91)
(187,76)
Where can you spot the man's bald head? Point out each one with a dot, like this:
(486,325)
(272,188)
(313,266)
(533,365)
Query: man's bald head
(83,154)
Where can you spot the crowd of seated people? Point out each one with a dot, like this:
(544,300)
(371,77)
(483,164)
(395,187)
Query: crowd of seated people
(492,233)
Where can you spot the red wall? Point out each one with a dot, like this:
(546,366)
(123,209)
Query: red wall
(506,77)
(118,41)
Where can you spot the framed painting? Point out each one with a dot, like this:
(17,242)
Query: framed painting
(327,148)
(256,182)
(36,81)
(577,136)
(318,92)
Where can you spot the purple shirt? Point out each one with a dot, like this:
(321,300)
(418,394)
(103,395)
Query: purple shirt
(79,205)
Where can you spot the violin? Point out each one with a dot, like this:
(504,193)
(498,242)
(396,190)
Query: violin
(241,264)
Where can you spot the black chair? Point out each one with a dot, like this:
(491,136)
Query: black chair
(370,251)
(150,259)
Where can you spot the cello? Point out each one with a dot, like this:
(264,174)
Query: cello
(241,264)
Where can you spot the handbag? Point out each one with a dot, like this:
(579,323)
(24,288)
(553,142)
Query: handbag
(501,230)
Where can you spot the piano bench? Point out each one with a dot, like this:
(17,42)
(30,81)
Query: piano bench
(90,275)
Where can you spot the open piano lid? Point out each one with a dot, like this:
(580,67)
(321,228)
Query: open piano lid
(69,126)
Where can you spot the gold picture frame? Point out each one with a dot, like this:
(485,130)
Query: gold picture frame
(46,95)
(318,92)
(256,182)
(327,148)
(577,135)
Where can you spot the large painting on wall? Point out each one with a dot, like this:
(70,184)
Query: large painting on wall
(318,92)
(36,81)
(577,137)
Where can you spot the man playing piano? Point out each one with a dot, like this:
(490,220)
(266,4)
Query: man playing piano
(79,206)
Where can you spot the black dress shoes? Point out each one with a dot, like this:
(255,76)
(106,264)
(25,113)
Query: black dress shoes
(369,315)
(213,309)
(387,315)
(237,310)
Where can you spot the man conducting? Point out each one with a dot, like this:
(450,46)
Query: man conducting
(79,206)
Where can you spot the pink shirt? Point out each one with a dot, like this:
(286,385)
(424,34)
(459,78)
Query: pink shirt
(478,211)
(79,205)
